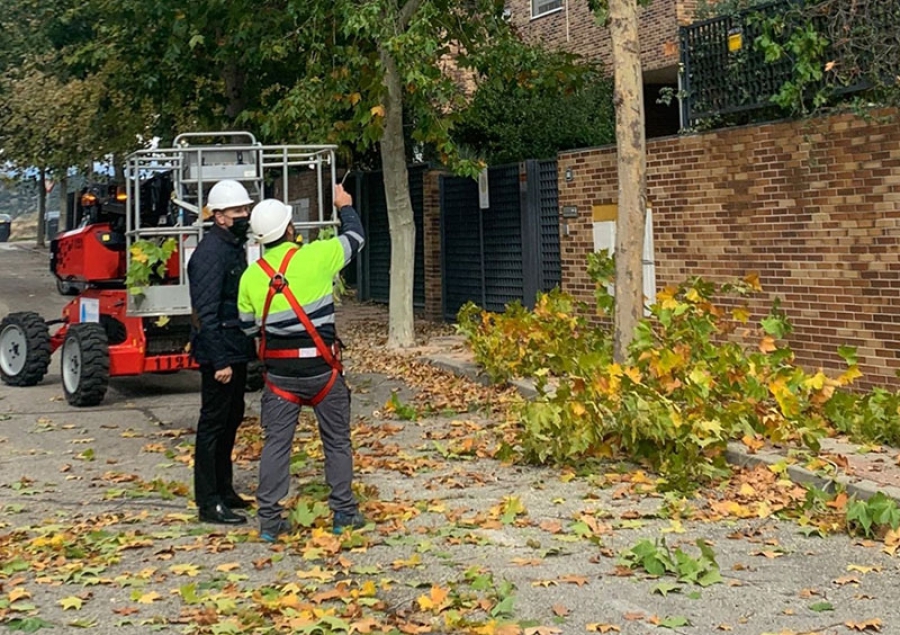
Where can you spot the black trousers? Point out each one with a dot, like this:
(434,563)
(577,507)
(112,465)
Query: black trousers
(221,412)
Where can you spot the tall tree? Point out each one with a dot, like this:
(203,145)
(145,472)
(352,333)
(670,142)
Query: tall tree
(386,73)
(44,125)
(628,96)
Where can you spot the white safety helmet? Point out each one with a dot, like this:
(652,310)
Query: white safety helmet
(226,194)
(269,219)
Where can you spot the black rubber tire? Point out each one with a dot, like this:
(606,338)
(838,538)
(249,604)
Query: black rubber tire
(65,287)
(86,379)
(255,377)
(36,334)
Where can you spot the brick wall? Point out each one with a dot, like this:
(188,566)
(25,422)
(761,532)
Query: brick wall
(575,29)
(812,206)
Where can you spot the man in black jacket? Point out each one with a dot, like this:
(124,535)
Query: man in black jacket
(222,350)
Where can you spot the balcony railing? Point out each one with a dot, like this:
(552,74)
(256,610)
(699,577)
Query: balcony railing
(725,73)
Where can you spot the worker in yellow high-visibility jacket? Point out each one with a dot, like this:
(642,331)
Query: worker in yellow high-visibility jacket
(286,298)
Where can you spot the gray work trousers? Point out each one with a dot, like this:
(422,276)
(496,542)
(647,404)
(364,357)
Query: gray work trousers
(279,421)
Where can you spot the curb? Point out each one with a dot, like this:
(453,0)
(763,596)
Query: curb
(736,454)
(859,487)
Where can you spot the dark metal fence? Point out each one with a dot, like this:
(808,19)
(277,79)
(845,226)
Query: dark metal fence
(724,72)
(506,252)
(375,259)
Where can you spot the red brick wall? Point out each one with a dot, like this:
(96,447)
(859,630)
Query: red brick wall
(812,206)
(575,29)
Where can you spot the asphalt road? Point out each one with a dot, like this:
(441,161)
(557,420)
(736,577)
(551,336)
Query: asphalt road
(65,472)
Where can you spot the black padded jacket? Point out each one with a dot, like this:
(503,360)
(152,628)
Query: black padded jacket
(214,271)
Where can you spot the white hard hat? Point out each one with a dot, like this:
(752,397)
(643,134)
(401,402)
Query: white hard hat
(269,219)
(226,194)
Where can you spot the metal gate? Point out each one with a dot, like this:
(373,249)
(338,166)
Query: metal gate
(506,252)
(375,259)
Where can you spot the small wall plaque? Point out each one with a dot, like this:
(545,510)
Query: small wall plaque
(569,211)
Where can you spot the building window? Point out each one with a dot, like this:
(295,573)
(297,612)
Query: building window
(543,7)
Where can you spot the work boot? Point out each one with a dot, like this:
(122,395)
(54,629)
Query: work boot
(274,532)
(348,520)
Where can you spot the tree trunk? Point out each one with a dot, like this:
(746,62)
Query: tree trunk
(632,164)
(118,166)
(400,212)
(63,202)
(234,78)
(42,208)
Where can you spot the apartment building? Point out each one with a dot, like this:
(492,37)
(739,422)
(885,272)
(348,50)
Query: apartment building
(569,25)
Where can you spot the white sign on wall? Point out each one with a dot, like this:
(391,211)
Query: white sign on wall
(605,238)
(484,200)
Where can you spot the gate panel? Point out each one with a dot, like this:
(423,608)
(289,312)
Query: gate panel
(377,273)
(506,252)
(502,231)
(548,193)
(460,244)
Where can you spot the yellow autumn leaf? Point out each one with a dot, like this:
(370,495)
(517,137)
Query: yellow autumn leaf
(435,600)
(71,602)
(578,408)
(189,570)
(692,296)
(368,589)
(148,598)
(316,573)
(851,374)
(162,320)
(354,98)
(377,111)
(228,566)
(19,593)
(666,298)
(752,280)
(633,374)
(741,314)
(816,382)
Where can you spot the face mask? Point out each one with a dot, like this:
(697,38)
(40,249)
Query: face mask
(239,228)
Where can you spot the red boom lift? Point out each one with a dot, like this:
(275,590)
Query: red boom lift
(109,330)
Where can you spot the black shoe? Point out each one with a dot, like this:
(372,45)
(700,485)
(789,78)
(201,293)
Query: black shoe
(221,515)
(234,501)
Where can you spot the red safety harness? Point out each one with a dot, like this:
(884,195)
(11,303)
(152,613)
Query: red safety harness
(279,284)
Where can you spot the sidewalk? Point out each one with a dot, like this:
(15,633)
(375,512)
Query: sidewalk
(861,470)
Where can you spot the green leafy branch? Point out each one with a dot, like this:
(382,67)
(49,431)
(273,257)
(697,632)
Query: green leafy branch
(148,259)
(657,559)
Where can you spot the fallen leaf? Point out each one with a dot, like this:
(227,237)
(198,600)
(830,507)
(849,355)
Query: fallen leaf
(574,579)
(148,598)
(868,625)
(603,628)
(863,569)
(19,593)
(71,602)
(847,579)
